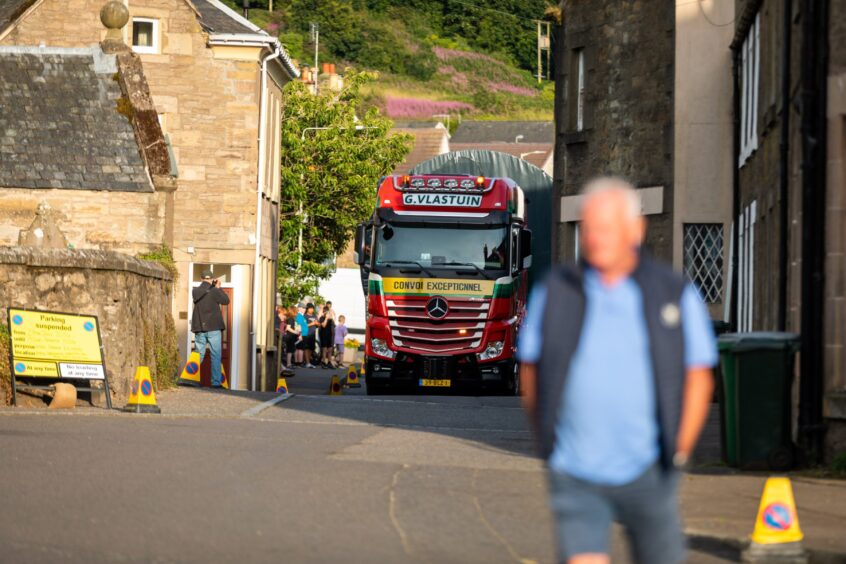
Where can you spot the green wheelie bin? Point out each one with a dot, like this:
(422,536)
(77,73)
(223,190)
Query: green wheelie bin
(757,375)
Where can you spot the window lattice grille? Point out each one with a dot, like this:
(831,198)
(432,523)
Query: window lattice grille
(703,259)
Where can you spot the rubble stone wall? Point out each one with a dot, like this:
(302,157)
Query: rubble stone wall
(129,297)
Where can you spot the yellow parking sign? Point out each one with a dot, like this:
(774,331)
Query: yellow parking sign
(48,344)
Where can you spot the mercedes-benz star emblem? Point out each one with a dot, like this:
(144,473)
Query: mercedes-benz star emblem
(437,307)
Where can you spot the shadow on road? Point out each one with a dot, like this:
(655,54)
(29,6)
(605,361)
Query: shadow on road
(493,421)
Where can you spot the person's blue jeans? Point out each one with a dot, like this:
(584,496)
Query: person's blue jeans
(214,341)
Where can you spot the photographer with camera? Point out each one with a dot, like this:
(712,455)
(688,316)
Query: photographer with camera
(207,323)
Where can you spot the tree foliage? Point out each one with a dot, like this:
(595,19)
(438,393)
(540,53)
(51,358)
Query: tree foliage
(397,35)
(333,156)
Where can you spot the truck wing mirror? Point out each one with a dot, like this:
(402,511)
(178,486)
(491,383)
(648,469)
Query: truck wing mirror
(525,248)
(360,242)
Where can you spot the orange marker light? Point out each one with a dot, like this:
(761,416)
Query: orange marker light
(405,180)
(480,180)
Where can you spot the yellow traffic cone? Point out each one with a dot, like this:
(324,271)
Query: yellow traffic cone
(335,386)
(225,380)
(142,398)
(191,372)
(281,386)
(777,536)
(352,378)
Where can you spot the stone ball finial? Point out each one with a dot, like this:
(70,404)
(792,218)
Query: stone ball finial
(114,14)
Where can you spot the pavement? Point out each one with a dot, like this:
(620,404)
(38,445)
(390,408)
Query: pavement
(256,477)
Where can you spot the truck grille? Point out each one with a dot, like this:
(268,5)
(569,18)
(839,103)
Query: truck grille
(460,330)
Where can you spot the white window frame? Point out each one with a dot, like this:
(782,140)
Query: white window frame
(155,48)
(580,92)
(750,62)
(746,266)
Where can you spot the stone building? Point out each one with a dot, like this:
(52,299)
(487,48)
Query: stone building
(730,117)
(790,71)
(216,83)
(75,155)
(645,92)
(84,165)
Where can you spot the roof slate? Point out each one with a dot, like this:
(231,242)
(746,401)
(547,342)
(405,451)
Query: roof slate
(427,143)
(216,20)
(504,132)
(533,153)
(59,122)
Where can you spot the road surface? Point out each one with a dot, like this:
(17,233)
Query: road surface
(216,478)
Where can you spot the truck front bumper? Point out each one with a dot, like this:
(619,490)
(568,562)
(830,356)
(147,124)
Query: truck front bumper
(460,370)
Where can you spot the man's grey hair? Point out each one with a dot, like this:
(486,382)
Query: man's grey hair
(612,184)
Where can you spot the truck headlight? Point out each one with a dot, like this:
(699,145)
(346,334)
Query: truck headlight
(493,350)
(380,347)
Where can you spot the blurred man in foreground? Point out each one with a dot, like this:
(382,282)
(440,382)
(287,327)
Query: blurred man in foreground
(616,356)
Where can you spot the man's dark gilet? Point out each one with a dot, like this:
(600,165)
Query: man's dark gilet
(562,327)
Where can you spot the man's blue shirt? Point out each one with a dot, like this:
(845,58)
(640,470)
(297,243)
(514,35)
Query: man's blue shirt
(608,431)
(301,321)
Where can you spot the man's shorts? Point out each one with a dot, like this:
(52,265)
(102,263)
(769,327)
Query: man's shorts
(646,507)
(310,341)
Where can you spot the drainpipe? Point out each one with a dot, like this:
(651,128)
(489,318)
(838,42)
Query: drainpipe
(783,164)
(259,184)
(813,129)
(735,186)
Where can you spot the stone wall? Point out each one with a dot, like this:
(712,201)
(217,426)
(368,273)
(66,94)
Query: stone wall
(628,112)
(835,265)
(129,296)
(121,221)
(759,175)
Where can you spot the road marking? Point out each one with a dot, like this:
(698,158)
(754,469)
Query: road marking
(392,511)
(490,528)
(255,410)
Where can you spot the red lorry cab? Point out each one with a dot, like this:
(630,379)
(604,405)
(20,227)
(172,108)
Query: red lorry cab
(444,262)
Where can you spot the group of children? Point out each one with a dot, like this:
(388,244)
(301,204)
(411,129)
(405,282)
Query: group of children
(308,337)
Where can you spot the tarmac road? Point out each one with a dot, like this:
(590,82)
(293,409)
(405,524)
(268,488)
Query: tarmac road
(312,479)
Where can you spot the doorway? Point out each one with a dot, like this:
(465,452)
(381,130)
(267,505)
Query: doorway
(222,272)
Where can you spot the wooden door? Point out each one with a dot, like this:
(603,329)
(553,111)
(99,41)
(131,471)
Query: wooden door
(226,338)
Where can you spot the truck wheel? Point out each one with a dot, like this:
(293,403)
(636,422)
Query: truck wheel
(514,384)
(376,388)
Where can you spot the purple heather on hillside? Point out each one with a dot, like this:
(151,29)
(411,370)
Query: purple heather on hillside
(421,108)
(512,89)
(445,54)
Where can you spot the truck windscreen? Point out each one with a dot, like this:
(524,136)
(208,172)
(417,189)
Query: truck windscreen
(484,247)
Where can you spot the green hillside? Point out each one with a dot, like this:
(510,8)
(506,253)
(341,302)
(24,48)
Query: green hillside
(471,57)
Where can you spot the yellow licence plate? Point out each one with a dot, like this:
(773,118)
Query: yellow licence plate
(435,383)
